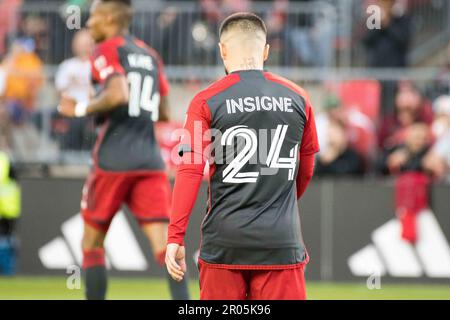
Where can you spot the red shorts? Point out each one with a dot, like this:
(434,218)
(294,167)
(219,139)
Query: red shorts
(147,195)
(227,284)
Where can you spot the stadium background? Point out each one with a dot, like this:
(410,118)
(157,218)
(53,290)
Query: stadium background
(358,87)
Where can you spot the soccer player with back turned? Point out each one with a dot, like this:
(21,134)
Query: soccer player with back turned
(128,168)
(251,245)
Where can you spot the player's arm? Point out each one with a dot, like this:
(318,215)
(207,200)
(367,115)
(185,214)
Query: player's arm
(308,149)
(305,173)
(115,94)
(187,184)
(164,92)
(164,109)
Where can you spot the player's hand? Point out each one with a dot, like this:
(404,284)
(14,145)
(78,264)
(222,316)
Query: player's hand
(176,261)
(67,106)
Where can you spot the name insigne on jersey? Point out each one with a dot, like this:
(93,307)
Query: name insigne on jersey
(264,103)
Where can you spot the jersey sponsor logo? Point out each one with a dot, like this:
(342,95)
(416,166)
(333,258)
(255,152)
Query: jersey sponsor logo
(265,103)
(390,254)
(101,65)
(122,249)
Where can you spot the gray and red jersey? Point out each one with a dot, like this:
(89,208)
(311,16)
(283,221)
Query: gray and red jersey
(257,125)
(127,141)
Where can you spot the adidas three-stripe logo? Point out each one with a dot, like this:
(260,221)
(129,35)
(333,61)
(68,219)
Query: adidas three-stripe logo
(122,249)
(392,255)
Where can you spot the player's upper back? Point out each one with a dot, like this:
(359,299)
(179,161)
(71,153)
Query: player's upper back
(129,142)
(260,123)
(141,65)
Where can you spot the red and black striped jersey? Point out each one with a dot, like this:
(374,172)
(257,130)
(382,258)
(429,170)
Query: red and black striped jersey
(250,127)
(127,141)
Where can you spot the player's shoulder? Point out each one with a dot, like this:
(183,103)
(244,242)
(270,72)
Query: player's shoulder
(217,87)
(149,49)
(287,83)
(108,46)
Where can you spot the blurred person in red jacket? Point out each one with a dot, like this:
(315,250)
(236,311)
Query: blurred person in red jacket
(410,107)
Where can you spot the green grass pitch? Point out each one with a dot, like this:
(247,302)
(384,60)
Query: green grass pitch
(48,288)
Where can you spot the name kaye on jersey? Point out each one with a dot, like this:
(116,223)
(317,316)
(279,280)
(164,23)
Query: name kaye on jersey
(140,61)
(264,103)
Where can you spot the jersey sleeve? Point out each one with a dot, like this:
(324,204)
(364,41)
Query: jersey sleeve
(195,137)
(190,171)
(163,82)
(310,141)
(106,63)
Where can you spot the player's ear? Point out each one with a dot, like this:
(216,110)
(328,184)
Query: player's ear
(223,51)
(266,52)
(109,19)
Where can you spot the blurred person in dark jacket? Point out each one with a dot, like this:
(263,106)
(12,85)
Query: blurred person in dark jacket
(388,46)
(408,156)
(339,159)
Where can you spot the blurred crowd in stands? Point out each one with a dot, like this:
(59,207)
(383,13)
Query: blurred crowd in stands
(365,126)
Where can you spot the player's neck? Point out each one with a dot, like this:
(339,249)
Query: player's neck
(244,64)
(116,33)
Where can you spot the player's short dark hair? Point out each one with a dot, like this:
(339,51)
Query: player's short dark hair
(246,20)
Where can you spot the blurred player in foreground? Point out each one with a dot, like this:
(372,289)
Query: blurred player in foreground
(128,168)
(264,140)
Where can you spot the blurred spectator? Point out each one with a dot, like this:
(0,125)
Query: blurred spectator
(311,37)
(331,111)
(339,159)
(408,156)
(24,78)
(5,127)
(9,214)
(34,28)
(73,75)
(410,107)
(388,46)
(437,160)
(8,21)
(441,85)
(73,78)
(360,129)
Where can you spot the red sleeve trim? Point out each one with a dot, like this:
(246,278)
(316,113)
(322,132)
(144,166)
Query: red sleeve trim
(291,85)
